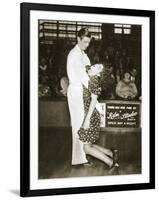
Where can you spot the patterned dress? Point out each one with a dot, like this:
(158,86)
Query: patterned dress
(91,134)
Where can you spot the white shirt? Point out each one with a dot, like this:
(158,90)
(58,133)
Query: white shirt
(76,62)
(76,71)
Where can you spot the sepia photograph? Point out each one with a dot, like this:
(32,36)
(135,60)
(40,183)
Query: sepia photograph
(89,86)
(87,93)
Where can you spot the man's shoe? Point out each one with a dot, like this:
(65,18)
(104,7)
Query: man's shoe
(88,164)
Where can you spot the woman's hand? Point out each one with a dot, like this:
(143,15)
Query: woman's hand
(86,123)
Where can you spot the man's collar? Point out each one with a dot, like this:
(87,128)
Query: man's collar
(78,48)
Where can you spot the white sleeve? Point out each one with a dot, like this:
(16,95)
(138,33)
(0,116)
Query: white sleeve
(76,70)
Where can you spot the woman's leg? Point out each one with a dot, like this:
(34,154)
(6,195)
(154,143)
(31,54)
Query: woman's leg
(91,150)
(104,150)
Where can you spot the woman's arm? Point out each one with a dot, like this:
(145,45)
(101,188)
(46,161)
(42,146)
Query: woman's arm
(90,111)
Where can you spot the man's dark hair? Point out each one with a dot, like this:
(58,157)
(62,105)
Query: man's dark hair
(84,32)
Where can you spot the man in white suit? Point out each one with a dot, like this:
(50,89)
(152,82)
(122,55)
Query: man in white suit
(76,62)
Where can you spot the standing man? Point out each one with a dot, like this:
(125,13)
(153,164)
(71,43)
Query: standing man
(76,62)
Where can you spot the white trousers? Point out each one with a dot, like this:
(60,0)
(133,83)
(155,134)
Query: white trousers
(76,108)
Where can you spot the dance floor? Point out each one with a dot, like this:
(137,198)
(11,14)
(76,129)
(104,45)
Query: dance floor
(55,154)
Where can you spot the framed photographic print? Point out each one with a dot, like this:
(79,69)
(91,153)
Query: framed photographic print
(87,99)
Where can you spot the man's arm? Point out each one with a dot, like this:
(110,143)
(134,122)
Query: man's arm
(76,70)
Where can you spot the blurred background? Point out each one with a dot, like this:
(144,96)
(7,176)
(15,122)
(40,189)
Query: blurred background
(118,47)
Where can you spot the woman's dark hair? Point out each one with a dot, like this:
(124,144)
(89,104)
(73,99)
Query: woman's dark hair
(84,32)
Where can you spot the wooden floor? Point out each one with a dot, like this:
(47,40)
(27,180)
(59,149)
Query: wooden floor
(55,154)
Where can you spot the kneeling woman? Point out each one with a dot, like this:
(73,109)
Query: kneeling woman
(89,131)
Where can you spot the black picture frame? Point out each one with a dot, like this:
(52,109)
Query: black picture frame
(25,9)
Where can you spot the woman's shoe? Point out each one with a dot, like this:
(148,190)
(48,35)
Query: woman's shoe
(114,170)
(114,155)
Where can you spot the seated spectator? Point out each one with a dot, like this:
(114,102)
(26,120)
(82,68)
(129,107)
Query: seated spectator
(133,73)
(43,64)
(136,78)
(108,86)
(95,59)
(44,91)
(119,73)
(64,82)
(43,75)
(126,89)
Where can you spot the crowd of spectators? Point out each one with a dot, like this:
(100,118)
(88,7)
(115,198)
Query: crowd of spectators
(52,69)
(122,76)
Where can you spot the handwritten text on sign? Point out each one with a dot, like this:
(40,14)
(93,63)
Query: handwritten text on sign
(122,115)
